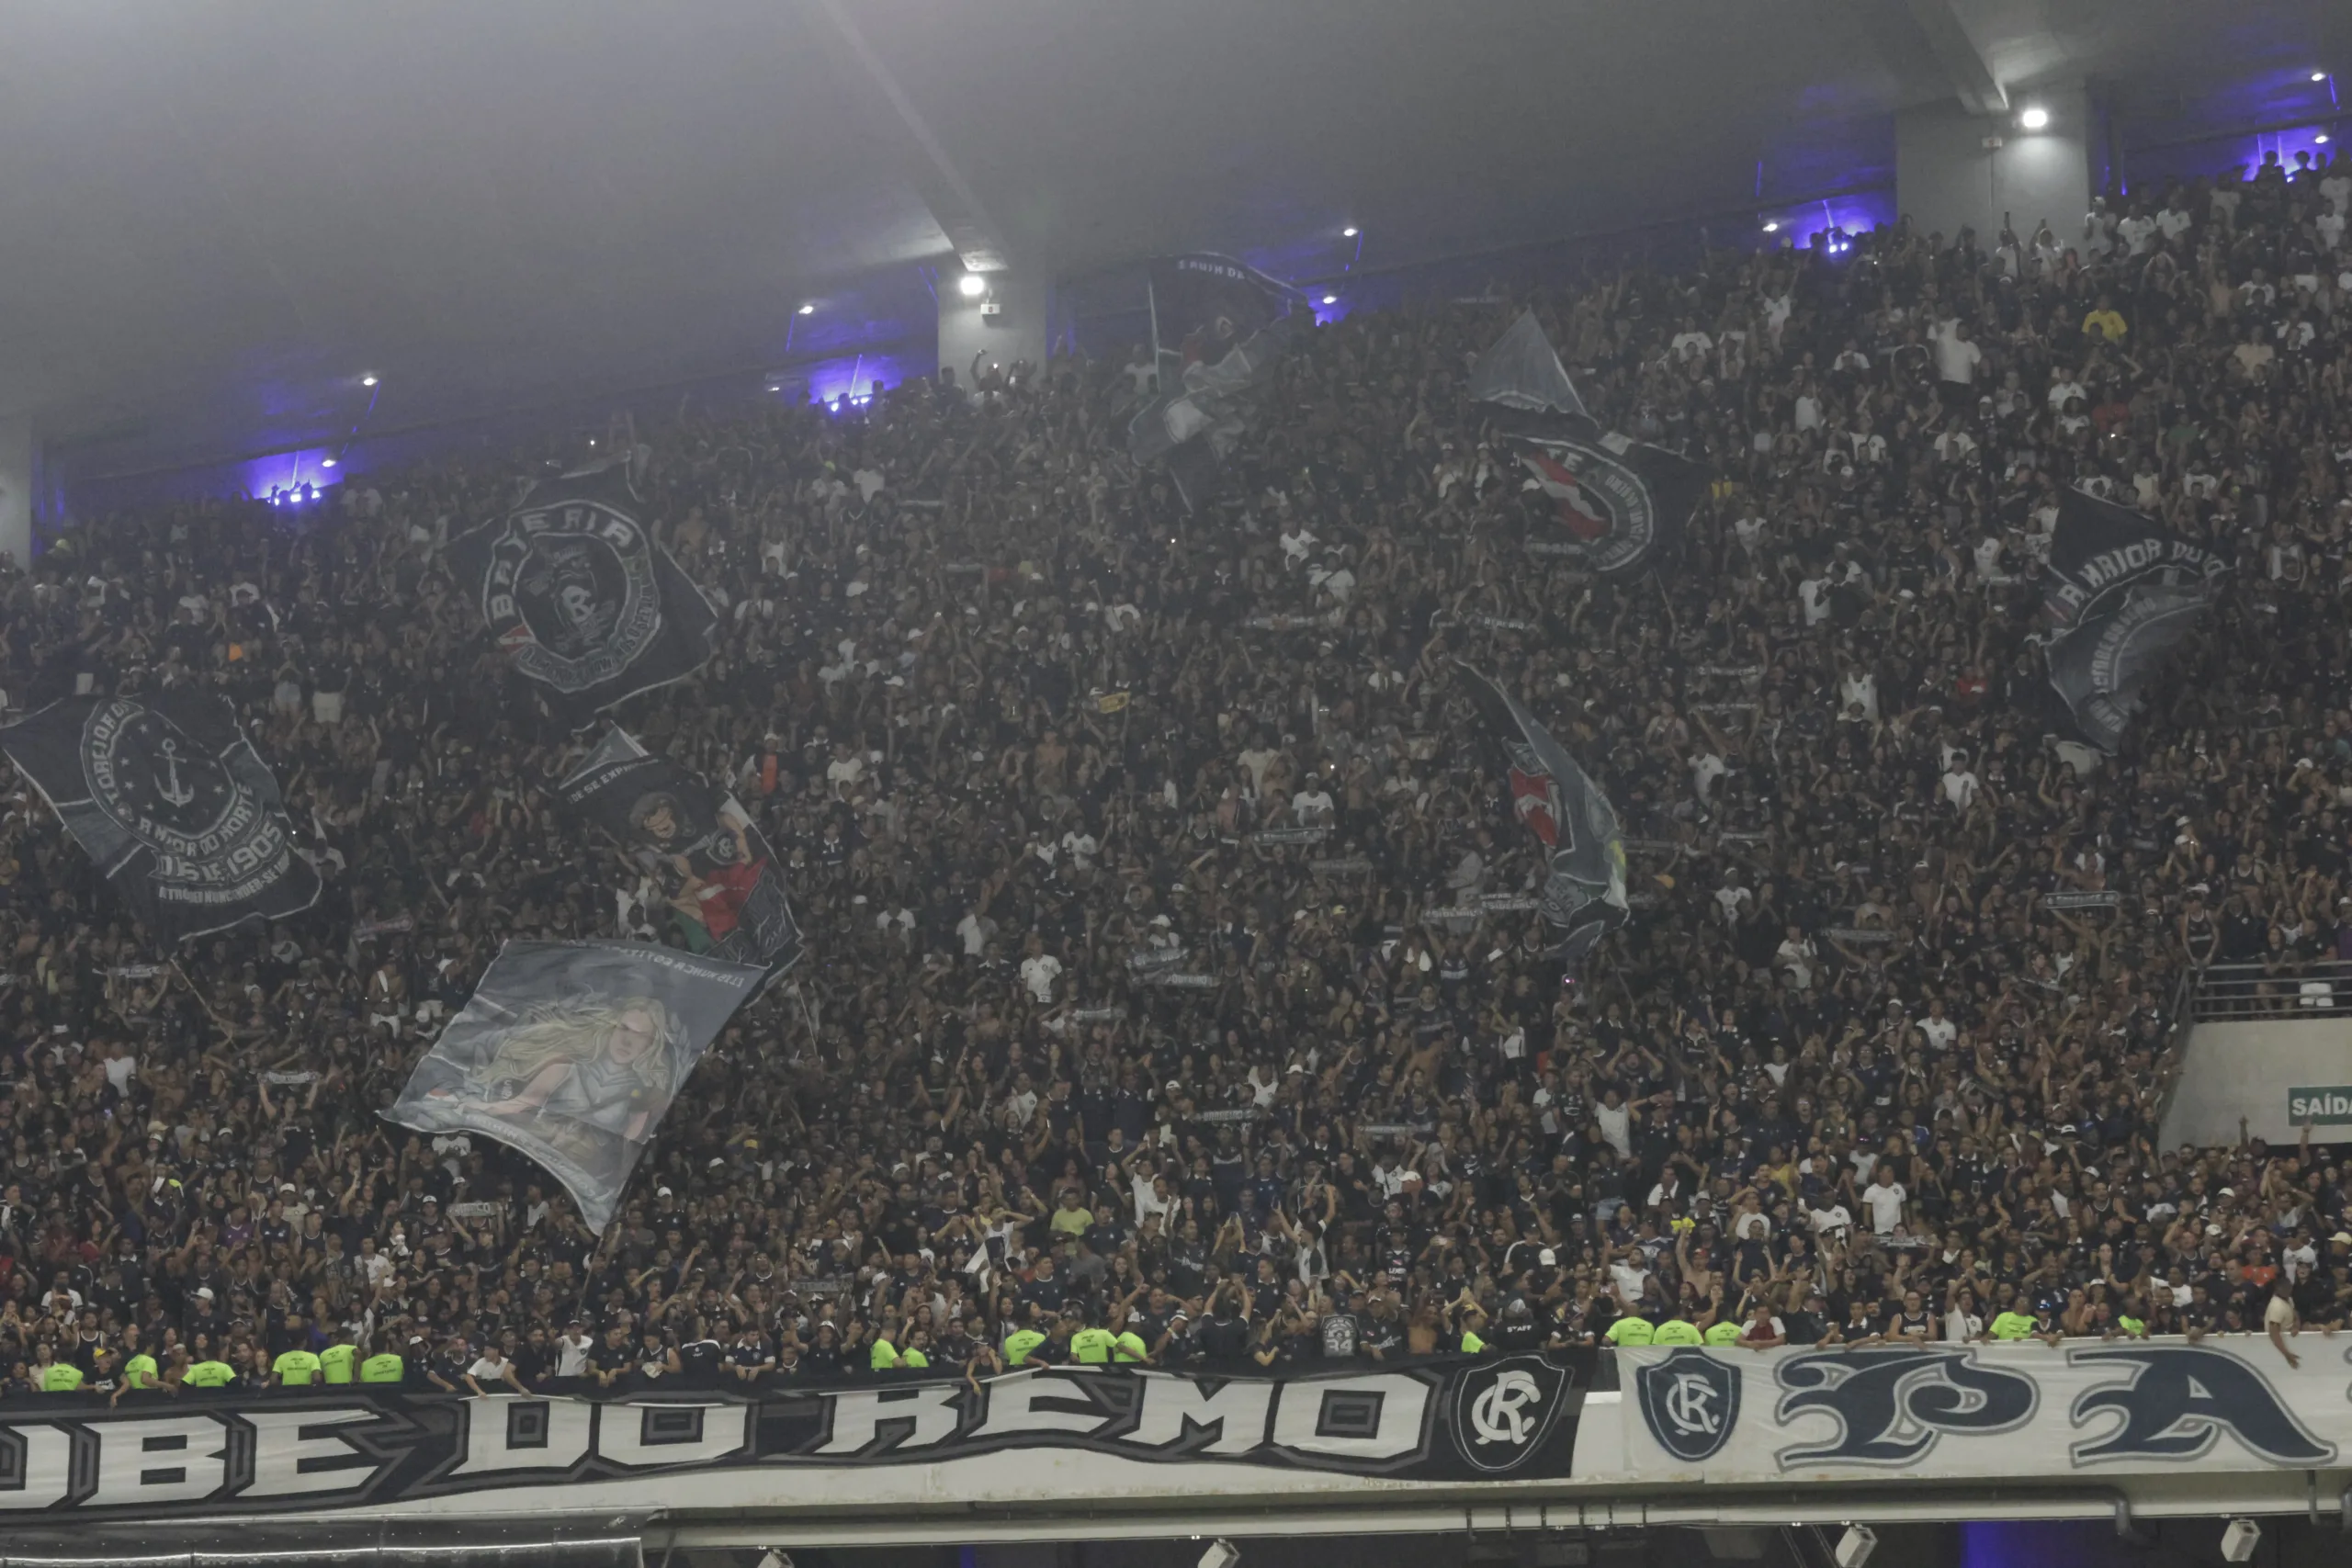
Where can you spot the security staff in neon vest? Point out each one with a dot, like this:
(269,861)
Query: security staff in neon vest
(339,1360)
(209,1376)
(1092,1346)
(1677,1330)
(140,1376)
(1022,1344)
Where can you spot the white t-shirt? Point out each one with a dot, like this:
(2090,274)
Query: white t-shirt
(1256,760)
(1957,358)
(572,1355)
(974,933)
(1834,1218)
(1616,1127)
(1039,974)
(1885,1203)
(1812,593)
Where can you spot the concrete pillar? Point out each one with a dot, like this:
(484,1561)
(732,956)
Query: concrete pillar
(1018,329)
(17,488)
(1946,177)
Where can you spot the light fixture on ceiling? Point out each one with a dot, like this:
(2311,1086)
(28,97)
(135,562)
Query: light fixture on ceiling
(369,381)
(807,310)
(1350,232)
(2321,140)
(1330,298)
(2034,118)
(2319,75)
(1772,226)
(1855,1546)
(971,286)
(327,462)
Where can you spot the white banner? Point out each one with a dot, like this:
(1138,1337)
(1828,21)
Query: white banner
(2006,1412)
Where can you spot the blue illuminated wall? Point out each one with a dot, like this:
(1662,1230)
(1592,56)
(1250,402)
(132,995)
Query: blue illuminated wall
(2148,169)
(2075,1544)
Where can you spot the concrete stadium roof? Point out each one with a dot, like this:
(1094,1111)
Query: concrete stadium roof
(221,215)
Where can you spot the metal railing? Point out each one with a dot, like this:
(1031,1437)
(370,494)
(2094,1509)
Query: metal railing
(2263,990)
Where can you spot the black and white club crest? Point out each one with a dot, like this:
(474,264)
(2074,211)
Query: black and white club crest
(571,593)
(1503,1412)
(168,793)
(1689,1401)
(1599,498)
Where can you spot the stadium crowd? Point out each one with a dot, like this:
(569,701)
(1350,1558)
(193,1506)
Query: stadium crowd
(1171,991)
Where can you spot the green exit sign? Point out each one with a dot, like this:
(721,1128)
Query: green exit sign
(2319,1107)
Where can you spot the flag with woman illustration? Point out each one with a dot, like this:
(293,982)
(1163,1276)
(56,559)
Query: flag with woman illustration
(570,1052)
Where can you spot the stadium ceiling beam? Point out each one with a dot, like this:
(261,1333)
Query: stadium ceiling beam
(953,205)
(1972,80)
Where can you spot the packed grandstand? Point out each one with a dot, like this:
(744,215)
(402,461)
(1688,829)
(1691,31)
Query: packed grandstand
(1172,990)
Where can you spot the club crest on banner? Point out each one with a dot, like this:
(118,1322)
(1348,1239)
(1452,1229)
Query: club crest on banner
(1689,1401)
(1502,1413)
(168,794)
(1600,499)
(170,801)
(571,595)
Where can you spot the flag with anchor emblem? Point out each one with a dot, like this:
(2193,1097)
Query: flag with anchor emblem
(1504,1411)
(164,792)
(1690,1402)
(579,595)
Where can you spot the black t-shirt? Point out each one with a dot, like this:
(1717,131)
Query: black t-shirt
(1223,1338)
(1046,1293)
(698,1362)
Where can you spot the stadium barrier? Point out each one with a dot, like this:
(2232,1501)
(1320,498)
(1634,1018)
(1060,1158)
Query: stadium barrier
(1860,1429)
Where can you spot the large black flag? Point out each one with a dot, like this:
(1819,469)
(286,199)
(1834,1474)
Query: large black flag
(719,882)
(579,595)
(2123,591)
(2103,666)
(1620,504)
(171,800)
(1218,326)
(570,1052)
(1585,893)
(2100,549)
